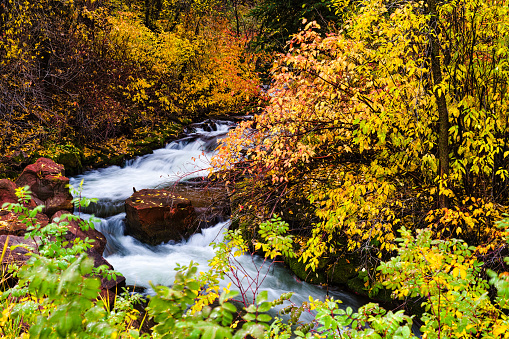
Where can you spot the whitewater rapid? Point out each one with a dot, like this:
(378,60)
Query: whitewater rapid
(143,265)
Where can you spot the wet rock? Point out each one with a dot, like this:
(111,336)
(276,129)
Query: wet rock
(157,216)
(109,288)
(48,185)
(210,201)
(20,254)
(74,231)
(209,125)
(10,223)
(7,192)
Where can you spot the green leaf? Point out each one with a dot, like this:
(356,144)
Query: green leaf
(264,317)
(249,317)
(264,307)
(261,297)
(210,333)
(229,307)
(251,309)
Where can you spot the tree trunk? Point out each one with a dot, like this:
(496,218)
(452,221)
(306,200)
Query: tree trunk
(443,114)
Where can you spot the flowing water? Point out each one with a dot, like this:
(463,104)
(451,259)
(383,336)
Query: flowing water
(142,264)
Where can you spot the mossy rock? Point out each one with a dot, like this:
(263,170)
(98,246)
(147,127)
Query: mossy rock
(115,160)
(140,149)
(336,271)
(357,285)
(342,270)
(71,162)
(299,269)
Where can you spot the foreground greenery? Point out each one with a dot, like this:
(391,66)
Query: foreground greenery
(57,293)
(386,142)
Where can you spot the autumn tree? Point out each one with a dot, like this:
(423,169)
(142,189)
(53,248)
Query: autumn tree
(88,82)
(400,119)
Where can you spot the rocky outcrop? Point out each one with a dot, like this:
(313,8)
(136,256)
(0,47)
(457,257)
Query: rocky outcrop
(48,185)
(156,216)
(74,231)
(10,223)
(7,192)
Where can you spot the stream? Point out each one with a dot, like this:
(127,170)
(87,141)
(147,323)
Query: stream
(141,264)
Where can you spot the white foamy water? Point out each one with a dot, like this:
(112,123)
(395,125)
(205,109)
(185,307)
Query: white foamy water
(180,160)
(142,264)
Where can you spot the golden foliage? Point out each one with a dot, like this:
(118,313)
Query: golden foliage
(351,128)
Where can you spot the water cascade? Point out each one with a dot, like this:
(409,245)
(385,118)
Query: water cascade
(180,160)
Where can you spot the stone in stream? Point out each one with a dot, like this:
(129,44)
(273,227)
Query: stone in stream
(48,185)
(156,216)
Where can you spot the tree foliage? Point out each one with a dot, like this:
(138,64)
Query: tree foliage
(350,138)
(93,76)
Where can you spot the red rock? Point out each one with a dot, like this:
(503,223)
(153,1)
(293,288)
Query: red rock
(156,216)
(109,288)
(11,225)
(48,185)
(19,255)
(74,231)
(7,192)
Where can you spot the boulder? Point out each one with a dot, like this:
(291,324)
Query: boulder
(109,288)
(18,255)
(210,201)
(74,231)
(11,225)
(7,192)
(48,185)
(156,216)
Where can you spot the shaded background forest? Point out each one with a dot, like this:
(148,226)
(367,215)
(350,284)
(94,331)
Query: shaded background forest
(88,83)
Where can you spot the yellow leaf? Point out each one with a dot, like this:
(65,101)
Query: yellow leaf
(497,330)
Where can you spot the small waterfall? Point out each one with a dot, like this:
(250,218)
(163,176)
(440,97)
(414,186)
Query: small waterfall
(141,264)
